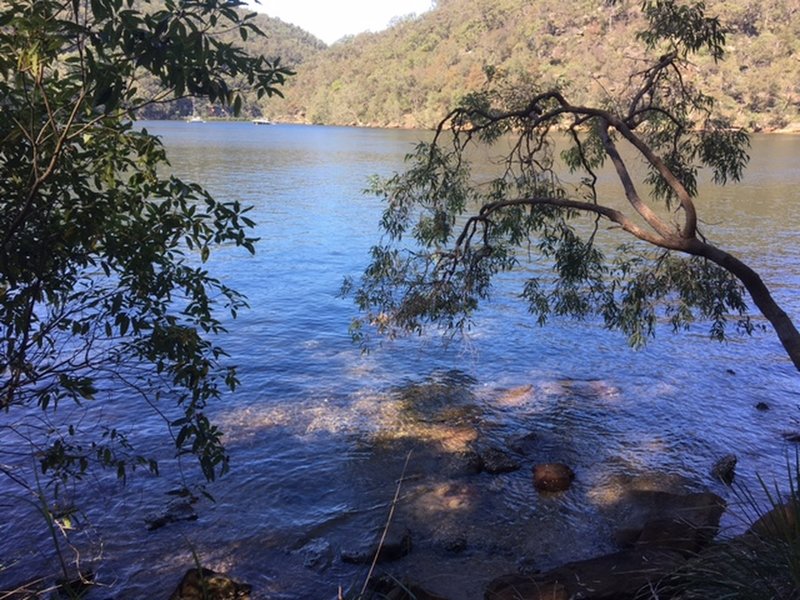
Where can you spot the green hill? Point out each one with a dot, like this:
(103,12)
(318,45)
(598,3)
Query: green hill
(412,73)
(290,44)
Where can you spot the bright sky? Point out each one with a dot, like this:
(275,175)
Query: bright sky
(331,20)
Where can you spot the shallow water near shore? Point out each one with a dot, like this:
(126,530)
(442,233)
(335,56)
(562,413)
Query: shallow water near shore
(319,433)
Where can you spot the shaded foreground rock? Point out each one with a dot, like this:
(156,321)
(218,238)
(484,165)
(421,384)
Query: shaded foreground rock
(552,477)
(682,522)
(205,584)
(780,522)
(661,532)
(390,588)
(617,576)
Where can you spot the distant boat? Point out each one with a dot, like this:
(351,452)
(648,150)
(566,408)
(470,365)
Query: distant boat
(195,119)
(262,121)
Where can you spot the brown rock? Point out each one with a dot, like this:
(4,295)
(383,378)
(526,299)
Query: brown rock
(205,584)
(780,522)
(523,587)
(552,477)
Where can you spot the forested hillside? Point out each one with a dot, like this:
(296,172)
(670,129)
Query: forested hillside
(292,45)
(411,74)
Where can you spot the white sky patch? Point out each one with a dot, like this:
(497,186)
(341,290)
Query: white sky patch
(330,20)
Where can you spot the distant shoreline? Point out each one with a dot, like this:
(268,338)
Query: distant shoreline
(790,129)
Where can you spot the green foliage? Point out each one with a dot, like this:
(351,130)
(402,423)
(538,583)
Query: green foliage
(283,44)
(465,228)
(103,288)
(686,28)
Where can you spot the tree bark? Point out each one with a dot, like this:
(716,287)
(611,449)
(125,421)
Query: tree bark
(784,327)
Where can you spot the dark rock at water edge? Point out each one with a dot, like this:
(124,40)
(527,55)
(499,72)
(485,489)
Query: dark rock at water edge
(552,477)
(180,509)
(205,584)
(396,545)
(725,469)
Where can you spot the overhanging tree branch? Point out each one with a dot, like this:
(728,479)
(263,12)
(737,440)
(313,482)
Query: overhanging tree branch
(458,249)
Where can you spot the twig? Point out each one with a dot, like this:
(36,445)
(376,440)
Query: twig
(386,527)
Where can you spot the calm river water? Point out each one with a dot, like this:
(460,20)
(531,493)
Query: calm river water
(319,433)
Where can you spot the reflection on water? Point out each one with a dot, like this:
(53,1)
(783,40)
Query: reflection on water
(319,433)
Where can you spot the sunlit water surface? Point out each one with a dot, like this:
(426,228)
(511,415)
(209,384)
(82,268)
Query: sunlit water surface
(319,433)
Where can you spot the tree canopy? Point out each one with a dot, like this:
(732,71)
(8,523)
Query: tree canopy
(448,232)
(103,287)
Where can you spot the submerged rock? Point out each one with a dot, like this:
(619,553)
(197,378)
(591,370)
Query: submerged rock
(524,444)
(497,461)
(317,554)
(396,545)
(762,406)
(205,584)
(467,462)
(180,509)
(552,477)
(682,522)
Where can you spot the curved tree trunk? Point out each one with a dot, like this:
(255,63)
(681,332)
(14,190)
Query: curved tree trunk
(786,330)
